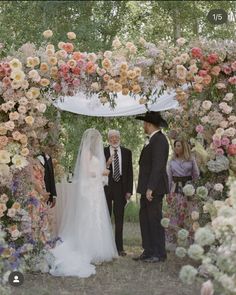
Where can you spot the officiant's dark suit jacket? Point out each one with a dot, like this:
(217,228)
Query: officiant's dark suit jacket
(127,170)
(49,178)
(152,166)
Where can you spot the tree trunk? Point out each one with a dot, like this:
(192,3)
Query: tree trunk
(176,24)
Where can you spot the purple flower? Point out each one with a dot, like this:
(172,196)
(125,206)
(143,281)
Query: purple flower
(33,201)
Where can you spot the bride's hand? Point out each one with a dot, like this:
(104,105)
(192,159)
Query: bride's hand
(106,172)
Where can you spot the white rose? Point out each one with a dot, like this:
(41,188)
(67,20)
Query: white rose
(218,187)
(228,96)
(180,252)
(204,236)
(195,252)
(188,274)
(206,105)
(188,190)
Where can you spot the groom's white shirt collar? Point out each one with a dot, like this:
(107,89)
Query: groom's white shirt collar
(112,150)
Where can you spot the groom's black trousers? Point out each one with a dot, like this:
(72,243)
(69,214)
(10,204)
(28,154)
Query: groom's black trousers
(116,199)
(153,234)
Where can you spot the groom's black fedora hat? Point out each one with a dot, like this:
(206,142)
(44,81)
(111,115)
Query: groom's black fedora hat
(153,117)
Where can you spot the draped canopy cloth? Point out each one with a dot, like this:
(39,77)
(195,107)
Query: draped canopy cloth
(125,105)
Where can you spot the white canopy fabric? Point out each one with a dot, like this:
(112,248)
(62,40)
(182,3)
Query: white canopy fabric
(125,105)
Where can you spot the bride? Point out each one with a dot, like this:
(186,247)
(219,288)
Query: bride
(86,229)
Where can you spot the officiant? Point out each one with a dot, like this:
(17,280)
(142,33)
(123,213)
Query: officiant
(120,183)
(49,179)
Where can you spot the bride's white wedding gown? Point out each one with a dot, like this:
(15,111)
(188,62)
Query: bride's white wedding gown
(86,228)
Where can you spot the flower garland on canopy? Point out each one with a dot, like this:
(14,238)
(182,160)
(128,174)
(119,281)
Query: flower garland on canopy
(33,78)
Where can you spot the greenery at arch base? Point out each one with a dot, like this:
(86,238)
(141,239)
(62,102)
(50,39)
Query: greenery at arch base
(34,77)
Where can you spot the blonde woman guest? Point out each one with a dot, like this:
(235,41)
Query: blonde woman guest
(182,169)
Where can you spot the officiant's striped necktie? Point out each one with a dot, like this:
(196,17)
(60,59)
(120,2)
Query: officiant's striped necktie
(116,173)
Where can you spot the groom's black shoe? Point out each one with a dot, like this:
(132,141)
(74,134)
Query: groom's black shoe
(122,253)
(155,259)
(143,256)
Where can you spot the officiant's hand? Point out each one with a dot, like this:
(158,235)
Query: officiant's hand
(109,161)
(45,196)
(106,172)
(52,204)
(149,195)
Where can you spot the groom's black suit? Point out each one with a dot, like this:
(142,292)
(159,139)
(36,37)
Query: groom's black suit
(153,175)
(116,191)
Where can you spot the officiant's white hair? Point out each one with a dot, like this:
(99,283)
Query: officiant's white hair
(113,132)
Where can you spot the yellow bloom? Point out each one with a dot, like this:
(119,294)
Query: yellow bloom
(118,87)
(47,34)
(36,61)
(4,157)
(131,74)
(123,74)
(44,67)
(124,66)
(17,75)
(33,93)
(136,88)
(29,120)
(125,91)
(16,206)
(30,62)
(53,71)
(19,161)
(44,82)
(52,60)
(15,64)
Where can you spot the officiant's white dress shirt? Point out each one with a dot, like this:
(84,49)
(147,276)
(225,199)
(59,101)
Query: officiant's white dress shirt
(112,151)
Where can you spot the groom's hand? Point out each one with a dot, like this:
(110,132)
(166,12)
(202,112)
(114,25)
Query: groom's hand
(149,195)
(127,196)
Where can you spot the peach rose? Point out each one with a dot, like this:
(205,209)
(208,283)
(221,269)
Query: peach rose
(47,34)
(71,35)
(29,120)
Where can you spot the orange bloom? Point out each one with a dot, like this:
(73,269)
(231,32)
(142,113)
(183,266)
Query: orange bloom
(77,55)
(68,47)
(207,80)
(90,67)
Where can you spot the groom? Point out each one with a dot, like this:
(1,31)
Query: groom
(153,185)
(120,183)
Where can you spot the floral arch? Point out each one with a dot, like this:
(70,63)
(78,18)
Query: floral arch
(33,78)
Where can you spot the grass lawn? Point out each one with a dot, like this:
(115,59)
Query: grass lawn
(121,277)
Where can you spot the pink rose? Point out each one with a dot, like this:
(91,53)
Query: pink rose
(57,87)
(215,71)
(196,52)
(76,82)
(199,129)
(202,73)
(217,143)
(232,149)
(226,69)
(232,80)
(233,66)
(225,141)
(212,58)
